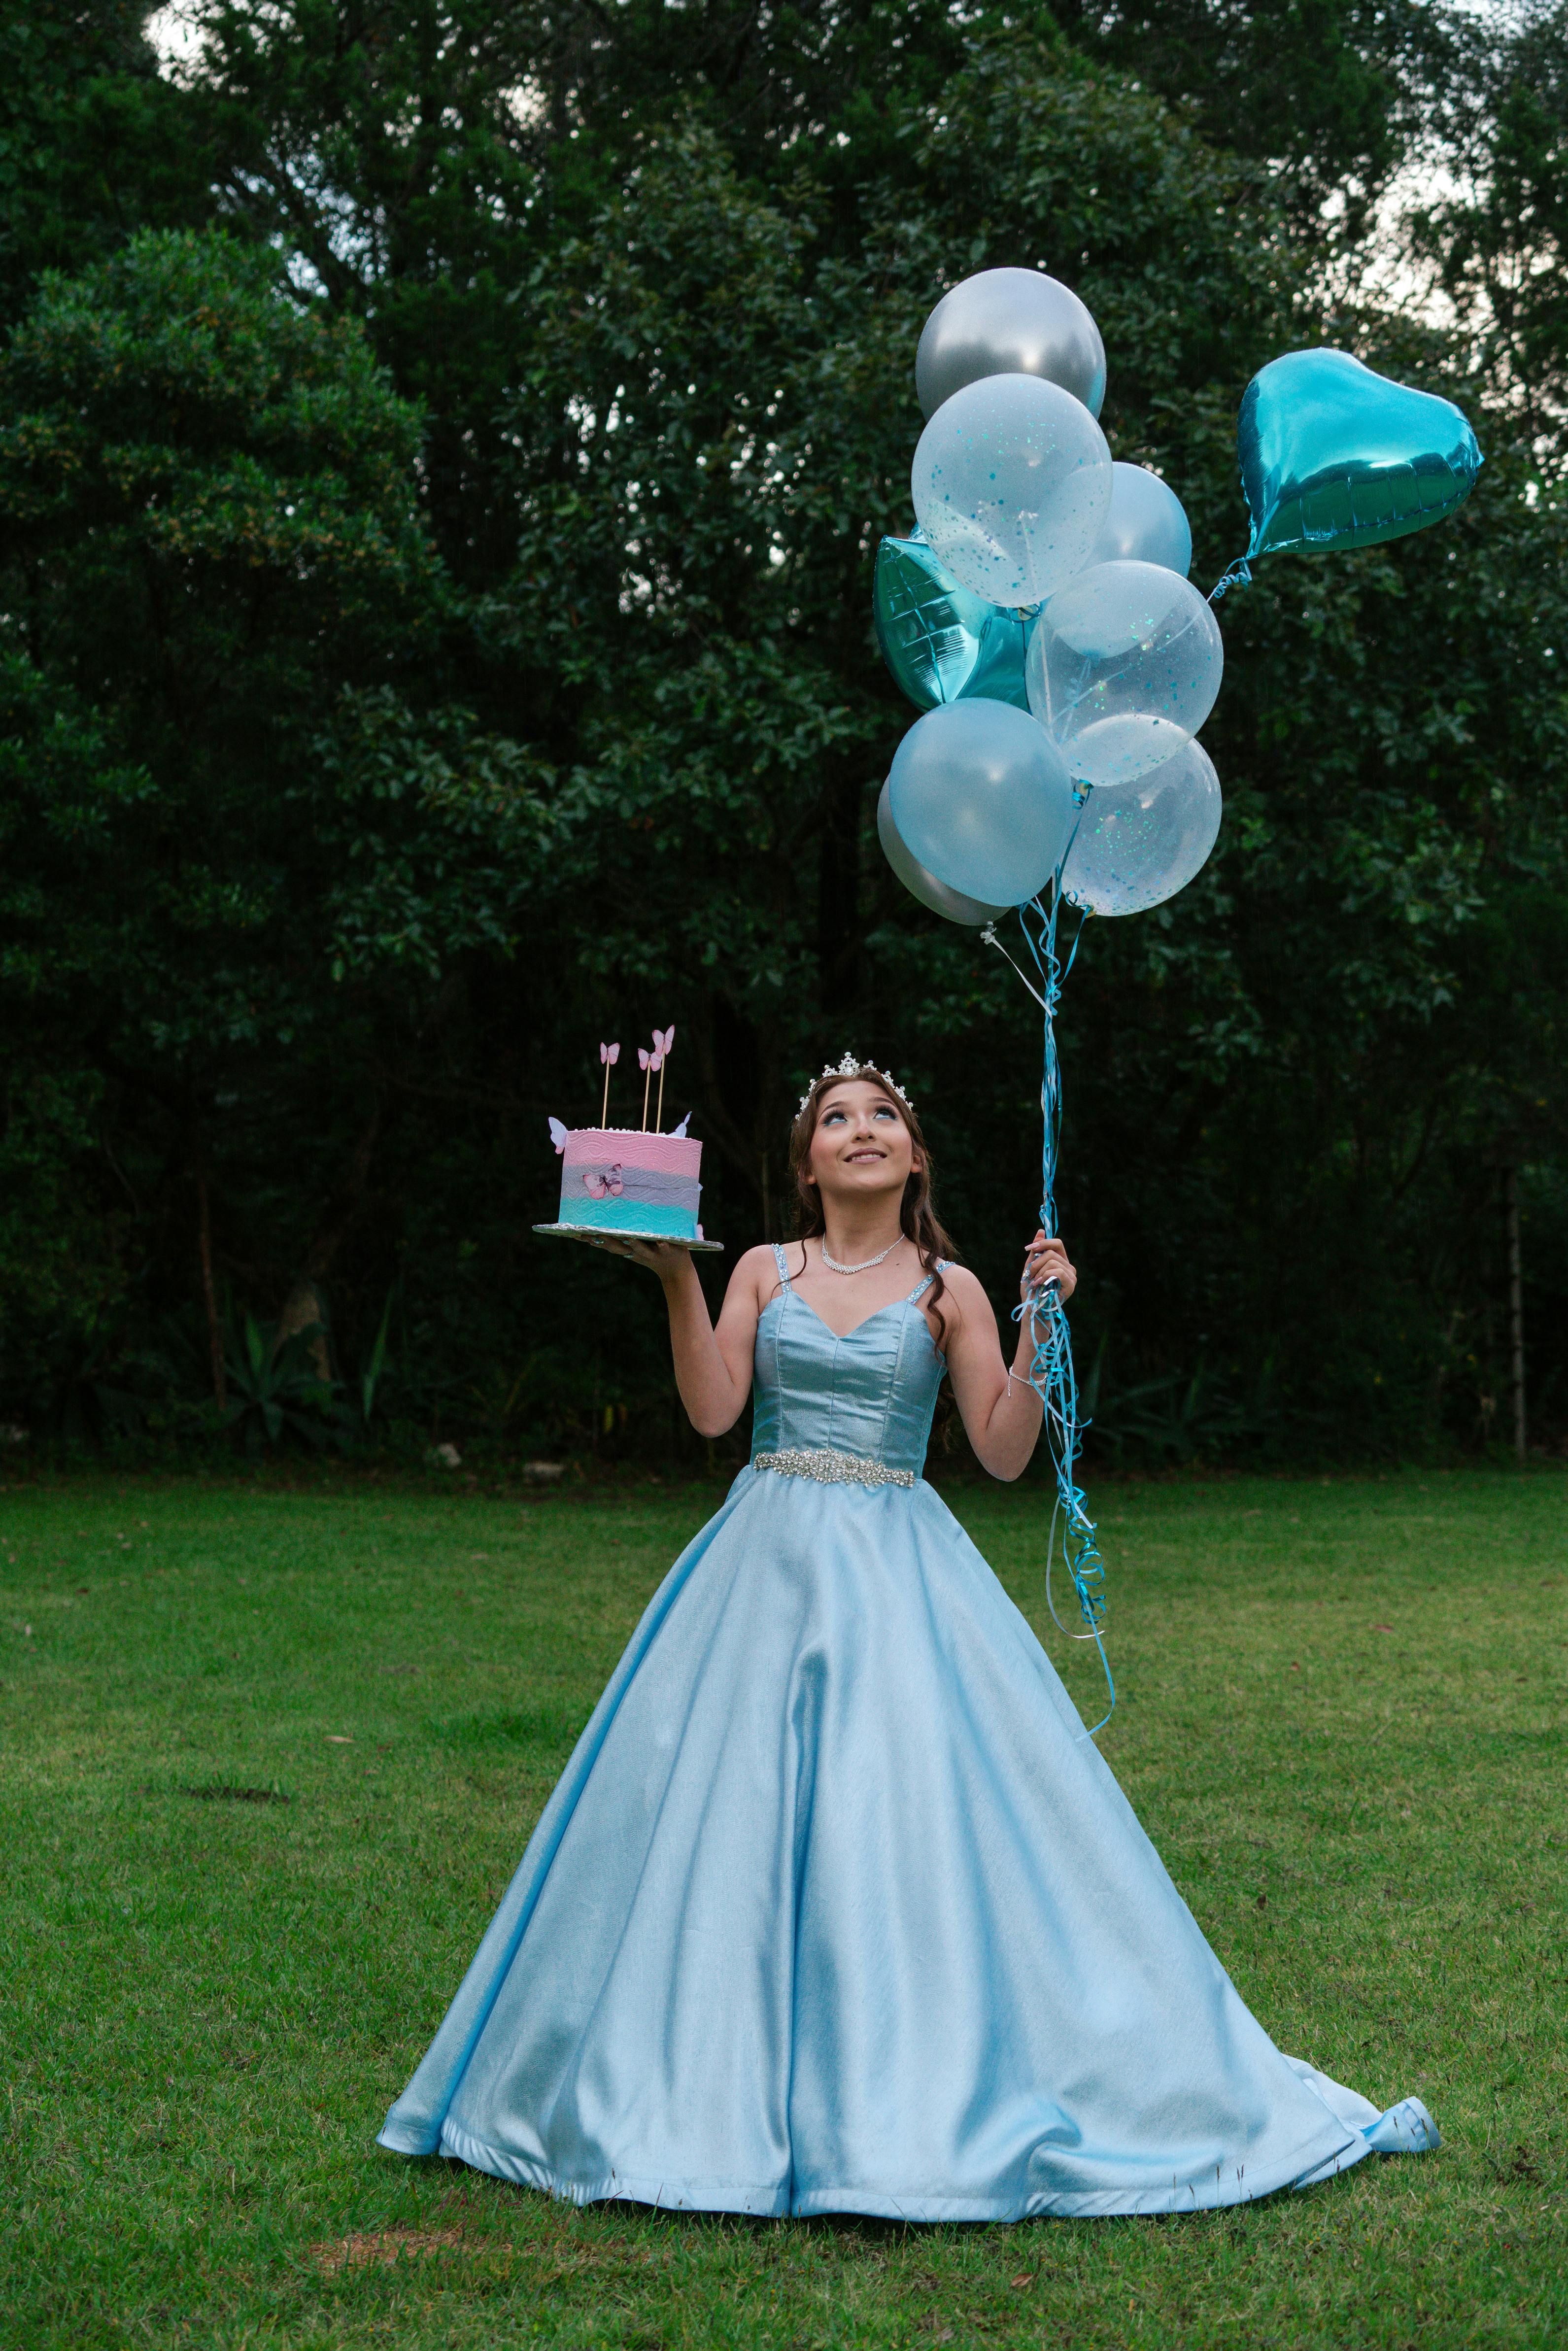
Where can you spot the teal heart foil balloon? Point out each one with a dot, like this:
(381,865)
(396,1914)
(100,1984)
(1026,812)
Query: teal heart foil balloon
(1334,456)
(941,641)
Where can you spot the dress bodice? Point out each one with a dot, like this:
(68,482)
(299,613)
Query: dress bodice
(871,1394)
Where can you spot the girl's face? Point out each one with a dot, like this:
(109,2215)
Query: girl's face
(861,1145)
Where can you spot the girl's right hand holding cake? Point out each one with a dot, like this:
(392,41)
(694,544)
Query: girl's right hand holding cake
(666,1258)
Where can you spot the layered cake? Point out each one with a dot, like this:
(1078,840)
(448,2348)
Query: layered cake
(616,1179)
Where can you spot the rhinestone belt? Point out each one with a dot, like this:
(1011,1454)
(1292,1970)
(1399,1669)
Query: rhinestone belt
(830,1469)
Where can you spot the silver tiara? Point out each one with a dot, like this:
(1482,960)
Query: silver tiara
(851,1067)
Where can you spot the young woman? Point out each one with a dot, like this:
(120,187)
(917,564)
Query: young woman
(836,1908)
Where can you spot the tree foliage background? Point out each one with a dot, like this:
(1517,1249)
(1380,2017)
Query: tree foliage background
(442,450)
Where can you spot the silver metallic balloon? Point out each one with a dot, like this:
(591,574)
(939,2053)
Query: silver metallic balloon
(921,883)
(1009,322)
(1147,523)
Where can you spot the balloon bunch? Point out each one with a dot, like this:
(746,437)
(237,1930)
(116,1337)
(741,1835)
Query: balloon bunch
(1041,616)
(1042,578)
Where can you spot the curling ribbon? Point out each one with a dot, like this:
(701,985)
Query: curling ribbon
(1051,1374)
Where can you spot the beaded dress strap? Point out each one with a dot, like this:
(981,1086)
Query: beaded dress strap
(924,1284)
(783,1269)
(944,1265)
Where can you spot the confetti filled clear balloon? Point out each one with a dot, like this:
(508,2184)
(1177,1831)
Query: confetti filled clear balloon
(1122,666)
(980,797)
(1113,750)
(1011,483)
(1138,843)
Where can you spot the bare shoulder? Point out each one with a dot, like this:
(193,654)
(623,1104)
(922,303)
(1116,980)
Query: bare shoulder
(967,1292)
(756,1275)
(964,1309)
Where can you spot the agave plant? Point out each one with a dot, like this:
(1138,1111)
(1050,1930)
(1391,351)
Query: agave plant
(277,1390)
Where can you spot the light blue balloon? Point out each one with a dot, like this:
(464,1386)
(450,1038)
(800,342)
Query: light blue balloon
(939,641)
(951,904)
(1334,456)
(1148,522)
(981,798)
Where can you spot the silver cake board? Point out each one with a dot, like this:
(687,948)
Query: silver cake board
(599,1234)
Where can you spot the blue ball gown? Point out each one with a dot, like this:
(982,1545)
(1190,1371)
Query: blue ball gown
(837,1909)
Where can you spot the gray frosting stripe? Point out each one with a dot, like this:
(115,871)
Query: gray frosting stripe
(655,1190)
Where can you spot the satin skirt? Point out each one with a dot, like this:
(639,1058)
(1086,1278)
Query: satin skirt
(836,1909)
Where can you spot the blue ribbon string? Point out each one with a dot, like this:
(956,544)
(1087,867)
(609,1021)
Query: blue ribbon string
(1051,1374)
(1238,576)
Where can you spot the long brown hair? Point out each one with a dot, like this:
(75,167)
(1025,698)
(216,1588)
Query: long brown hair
(916,1213)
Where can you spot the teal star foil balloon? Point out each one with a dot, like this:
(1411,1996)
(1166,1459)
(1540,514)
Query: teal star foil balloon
(941,641)
(1334,456)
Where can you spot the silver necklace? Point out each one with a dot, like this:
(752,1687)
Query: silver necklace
(834,1267)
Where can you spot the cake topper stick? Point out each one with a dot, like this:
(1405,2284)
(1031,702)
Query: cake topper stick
(608,1055)
(647,1062)
(663,1044)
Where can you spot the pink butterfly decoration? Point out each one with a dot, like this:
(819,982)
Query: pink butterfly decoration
(558,1134)
(602,1186)
(610,1054)
(644,1060)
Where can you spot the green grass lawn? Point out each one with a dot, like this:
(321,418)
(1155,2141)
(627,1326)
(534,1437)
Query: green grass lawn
(1341,1722)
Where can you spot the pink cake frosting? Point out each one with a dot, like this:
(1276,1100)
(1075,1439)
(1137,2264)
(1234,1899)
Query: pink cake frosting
(661,1154)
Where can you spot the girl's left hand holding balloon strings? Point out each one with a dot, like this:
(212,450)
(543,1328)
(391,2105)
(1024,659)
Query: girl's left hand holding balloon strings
(1047,1261)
